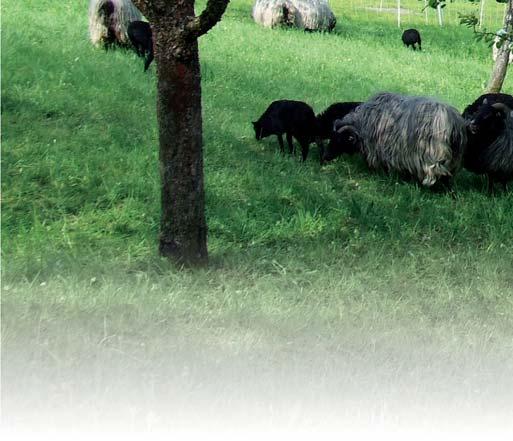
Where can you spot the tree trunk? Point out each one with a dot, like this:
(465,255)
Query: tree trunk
(183,228)
(500,67)
(175,29)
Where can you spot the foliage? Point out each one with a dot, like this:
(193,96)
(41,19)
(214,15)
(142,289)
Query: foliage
(471,21)
(436,3)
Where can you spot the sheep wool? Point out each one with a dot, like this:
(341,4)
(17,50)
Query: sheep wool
(498,157)
(312,15)
(109,20)
(417,135)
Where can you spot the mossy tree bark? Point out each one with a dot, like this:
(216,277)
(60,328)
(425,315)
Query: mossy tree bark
(175,28)
(500,67)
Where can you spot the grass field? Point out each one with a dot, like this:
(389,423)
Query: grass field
(324,282)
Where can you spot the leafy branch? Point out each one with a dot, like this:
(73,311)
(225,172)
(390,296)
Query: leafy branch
(435,4)
(498,38)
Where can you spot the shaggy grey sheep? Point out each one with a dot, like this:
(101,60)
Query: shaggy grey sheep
(109,19)
(417,136)
(310,15)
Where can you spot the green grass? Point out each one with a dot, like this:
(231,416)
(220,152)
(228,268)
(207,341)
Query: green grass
(337,257)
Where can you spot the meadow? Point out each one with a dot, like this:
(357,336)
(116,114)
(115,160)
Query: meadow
(321,279)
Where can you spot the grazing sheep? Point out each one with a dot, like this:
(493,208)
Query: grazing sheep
(326,119)
(416,136)
(294,118)
(310,15)
(487,98)
(411,37)
(336,111)
(140,36)
(490,144)
(108,21)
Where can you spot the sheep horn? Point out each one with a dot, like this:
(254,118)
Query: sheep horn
(337,124)
(346,128)
(502,107)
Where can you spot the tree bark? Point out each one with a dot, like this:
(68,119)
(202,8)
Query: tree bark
(500,67)
(175,29)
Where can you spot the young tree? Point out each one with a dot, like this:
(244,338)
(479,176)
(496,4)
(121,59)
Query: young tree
(176,29)
(504,40)
(500,67)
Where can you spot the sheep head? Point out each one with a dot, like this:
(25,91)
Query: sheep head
(344,139)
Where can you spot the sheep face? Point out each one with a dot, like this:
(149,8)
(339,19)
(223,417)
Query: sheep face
(484,129)
(344,139)
(489,121)
(260,131)
(490,144)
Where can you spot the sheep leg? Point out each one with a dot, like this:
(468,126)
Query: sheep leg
(320,145)
(490,185)
(305,145)
(139,50)
(148,61)
(280,141)
(290,143)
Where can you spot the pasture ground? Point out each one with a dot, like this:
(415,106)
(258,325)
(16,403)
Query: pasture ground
(333,294)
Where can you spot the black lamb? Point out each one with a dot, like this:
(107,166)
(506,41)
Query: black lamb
(294,118)
(327,118)
(140,35)
(490,98)
(411,37)
(490,144)
(336,111)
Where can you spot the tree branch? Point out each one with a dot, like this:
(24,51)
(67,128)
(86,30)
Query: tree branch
(213,12)
(471,21)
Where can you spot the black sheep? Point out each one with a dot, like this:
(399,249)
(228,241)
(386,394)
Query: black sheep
(490,143)
(336,111)
(490,98)
(411,37)
(294,118)
(139,33)
(326,119)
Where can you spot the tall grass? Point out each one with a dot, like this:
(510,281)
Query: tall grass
(295,249)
